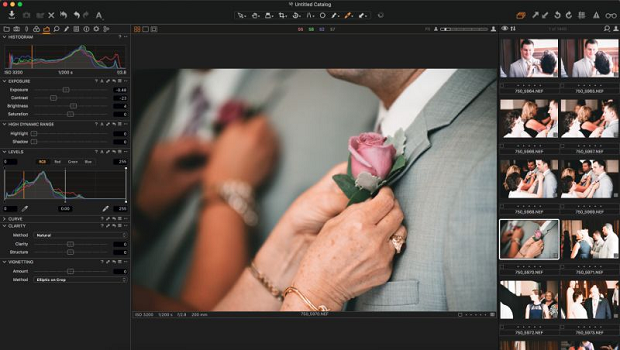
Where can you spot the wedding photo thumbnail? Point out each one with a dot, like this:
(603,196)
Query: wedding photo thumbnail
(528,300)
(241,178)
(529,239)
(590,239)
(589,178)
(531,178)
(589,299)
(528,118)
(589,119)
(590,57)
(598,344)
(529,58)
(528,345)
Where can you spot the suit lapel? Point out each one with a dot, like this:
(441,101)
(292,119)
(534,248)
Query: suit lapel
(452,98)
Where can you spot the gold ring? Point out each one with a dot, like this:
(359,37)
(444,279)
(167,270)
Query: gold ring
(397,242)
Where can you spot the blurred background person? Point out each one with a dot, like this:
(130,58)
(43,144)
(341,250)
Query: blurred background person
(527,64)
(547,66)
(298,105)
(552,304)
(532,126)
(609,250)
(576,310)
(514,125)
(585,67)
(536,310)
(597,306)
(581,249)
(572,126)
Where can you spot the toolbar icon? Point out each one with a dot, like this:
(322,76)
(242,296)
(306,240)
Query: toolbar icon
(536,14)
(569,15)
(77,15)
(521,15)
(63,14)
(557,15)
(596,15)
(544,15)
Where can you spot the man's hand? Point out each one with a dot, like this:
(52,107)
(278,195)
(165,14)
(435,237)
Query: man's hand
(166,178)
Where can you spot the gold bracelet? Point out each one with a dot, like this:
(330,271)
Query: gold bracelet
(265,282)
(305,300)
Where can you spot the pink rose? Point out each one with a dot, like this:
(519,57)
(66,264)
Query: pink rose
(538,235)
(230,111)
(369,154)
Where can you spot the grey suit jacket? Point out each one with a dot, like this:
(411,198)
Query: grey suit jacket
(550,186)
(551,240)
(448,196)
(581,69)
(606,187)
(611,130)
(314,116)
(518,69)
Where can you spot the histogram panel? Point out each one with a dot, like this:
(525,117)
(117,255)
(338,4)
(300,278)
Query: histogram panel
(61,185)
(65,57)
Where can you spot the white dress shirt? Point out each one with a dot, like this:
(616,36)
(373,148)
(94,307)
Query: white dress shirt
(412,100)
(218,86)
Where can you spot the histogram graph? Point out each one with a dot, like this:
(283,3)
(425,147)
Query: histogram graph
(65,185)
(65,57)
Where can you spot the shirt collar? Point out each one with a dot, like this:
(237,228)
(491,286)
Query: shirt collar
(546,225)
(412,100)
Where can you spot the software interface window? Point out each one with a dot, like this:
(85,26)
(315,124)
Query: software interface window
(301,174)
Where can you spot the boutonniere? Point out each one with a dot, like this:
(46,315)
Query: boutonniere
(374,161)
(231,111)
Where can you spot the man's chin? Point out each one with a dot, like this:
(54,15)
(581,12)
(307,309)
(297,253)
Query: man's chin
(351,75)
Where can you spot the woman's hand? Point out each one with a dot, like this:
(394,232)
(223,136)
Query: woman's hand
(351,254)
(281,254)
(245,151)
(165,181)
(321,202)
(531,248)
